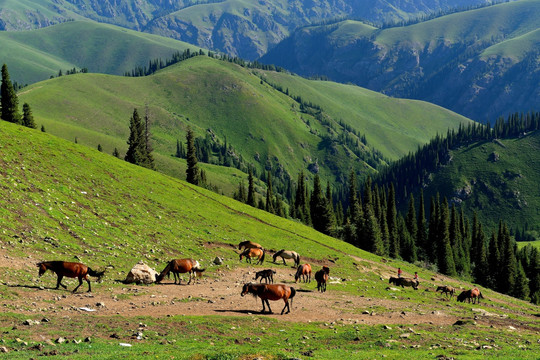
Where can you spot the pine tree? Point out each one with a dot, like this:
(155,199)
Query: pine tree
(369,233)
(116,153)
(445,254)
(149,158)
(136,150)
(481,259)
(521,288)
(508,263)
(180,151)
(192,171)
(494,259)
(432,236)
(99,147)
(410,220)
(42,128)
(28,118)
(9,102)
(392,223)
(269,206)
(421,235)
(251,189)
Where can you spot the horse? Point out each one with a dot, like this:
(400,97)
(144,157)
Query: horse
(287,254)
(303,273)
(447,290)
(322,278)
(253,253)
(69,269)
(180,266)
(270,292)
(473,294)
(267,274)
(249,245)
(404,282)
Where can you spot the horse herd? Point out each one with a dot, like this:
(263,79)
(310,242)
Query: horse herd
(267,291)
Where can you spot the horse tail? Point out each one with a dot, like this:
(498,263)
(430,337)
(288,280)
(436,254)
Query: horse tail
(262,257)
(98,274)
(297,259)
(293,293)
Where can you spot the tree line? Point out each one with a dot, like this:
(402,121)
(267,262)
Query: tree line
(9,104)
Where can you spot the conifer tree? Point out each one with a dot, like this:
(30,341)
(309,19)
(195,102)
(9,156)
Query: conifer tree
(432,236)
(251,189)
(136,150)
(28,118)
(192,171)
(421,235)
(410,220)
(369,233)
(180,151)
(494,259)
(99,147)
(269,206)
(445,254)
(508,263)
(116,153)
(481,259)
(9,102)
(392,222)
(149,158)
(521,287)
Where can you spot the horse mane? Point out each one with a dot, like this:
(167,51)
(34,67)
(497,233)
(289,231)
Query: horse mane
(278,253)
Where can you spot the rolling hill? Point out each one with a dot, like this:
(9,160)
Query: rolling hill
(36,55)
(239,28)
(231,104)
(480,63)
(64,201)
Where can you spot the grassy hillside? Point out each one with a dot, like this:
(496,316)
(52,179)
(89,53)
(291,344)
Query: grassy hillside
(35,55)
(266,127)
(62,200)
(480,63)
(497,179)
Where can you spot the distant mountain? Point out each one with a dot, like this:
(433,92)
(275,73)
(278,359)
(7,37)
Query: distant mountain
(36,55)
(229,104)
(480,63)
(245,29)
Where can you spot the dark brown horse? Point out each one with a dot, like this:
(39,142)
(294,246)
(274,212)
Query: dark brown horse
(270,292)
(267,275)
(473,294)
(249,245)
(69,269)
(404,282)
(303,273)
(253,253)
(447,290)
(322,278)
(180,266)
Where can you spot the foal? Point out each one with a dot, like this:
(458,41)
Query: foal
(267,275)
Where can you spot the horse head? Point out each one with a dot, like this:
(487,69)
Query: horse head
(248,288)
(42,268)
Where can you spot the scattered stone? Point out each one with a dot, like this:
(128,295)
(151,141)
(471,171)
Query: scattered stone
(100,304)
(45,320)
(465,322)
(365,312)
(405,335)
(141,274)
(38,347)
(308,353)
(218,260)
(510,327)
(31,322)
(386,327)
(60,340)
(4,349)
(88,339)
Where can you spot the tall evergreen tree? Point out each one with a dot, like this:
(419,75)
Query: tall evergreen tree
(508,263)
(391,218)
(9,102)
(369,233)
(149,158)
(445,254)
(269,206)
(410,221)
(180,151)
(28,118)
(251,189)
(494,258)
(421,235)
(192,171)
(521,287)
(136,150)
(432,236)
(481,268)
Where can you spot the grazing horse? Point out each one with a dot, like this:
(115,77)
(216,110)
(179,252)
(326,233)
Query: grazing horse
(322,278)
(447,290)
(249,245)
(270,292)
(267,274)
(253,253)
(303,273)
(473,294)
(287,254)
(404,282)
(69,269)
(180,266)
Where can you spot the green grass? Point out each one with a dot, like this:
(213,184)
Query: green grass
(35,55)
(68,201)
(258,121)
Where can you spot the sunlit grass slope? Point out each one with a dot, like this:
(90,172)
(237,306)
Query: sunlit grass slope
(35,55)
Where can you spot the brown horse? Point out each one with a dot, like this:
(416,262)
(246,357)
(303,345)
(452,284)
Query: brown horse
(180,266)
(267,275)
(270,292)
(322,278)
(253,253)
(447,290)
(404,282)
(303,273)
(69,269)
(473,294)
(249,245)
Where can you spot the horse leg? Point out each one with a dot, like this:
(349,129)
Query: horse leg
(263,306)
(268,304)
(80,283)
(284,263)
(88,281)
(286,307)
(59,282)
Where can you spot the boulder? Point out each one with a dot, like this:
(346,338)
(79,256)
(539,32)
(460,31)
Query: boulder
(141,274)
